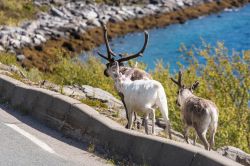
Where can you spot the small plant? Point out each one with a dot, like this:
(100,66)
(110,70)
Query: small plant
(8,59)
(94,103)
(91,148)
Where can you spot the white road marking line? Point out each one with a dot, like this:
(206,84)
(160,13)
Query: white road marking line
(37,141)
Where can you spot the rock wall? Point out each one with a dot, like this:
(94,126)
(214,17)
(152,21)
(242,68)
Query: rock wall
(78,120)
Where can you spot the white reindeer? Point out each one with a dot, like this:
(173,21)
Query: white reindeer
(197,112)
(137,74)
(142,96)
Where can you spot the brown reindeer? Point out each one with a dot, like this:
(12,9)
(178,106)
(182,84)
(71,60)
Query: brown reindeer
(197,112)
(137,74)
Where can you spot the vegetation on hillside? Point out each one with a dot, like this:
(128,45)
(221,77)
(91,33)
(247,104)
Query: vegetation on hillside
(12,12)
(224,79)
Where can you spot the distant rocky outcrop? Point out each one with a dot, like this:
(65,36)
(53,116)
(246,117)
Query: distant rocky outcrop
(77,17)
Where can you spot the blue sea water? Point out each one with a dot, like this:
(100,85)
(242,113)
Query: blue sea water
(231,27)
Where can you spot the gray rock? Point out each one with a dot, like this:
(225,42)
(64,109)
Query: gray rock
(11,69)
(101,95)
(2,48)
(36,41)
(56,12)
(20,57)
(74,92)
(40,37)
(26,40)
(15,43)
(179,3)
(94,22)
(115,18)
(30,26)
(89,15)
(235,154)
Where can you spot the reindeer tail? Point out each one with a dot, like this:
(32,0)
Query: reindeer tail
(163,106)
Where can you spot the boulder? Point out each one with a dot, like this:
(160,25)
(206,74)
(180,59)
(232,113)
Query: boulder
(56,12)
(25,40)
(235,154)
(101,95)
(30,26)
(74,92)
(89,15)
(20,57)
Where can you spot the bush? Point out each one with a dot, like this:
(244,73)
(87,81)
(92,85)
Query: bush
(14,11)
(225,79)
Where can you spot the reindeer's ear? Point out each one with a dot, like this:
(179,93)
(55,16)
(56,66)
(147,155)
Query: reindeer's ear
(195,85)
(130,73)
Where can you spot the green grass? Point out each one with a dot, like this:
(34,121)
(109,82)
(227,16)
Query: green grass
(94,103)
(12,12)
(8,59)
(224,79)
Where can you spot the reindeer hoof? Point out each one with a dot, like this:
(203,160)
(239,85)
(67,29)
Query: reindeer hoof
(138,125)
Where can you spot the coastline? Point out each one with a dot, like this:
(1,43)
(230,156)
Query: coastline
(43,53)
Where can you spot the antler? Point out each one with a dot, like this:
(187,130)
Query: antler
(140,53)
(195,85)
(179,79)
(110,53)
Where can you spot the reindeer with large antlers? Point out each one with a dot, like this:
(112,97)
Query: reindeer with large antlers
(142,96)
(137,74)
(197,112)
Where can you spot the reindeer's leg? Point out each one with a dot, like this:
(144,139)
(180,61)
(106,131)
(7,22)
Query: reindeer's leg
(130,119)
(136,122)
(146,123)
(212,134)
(202,136)
(186,130)
(123,102)
(169,130)
(195,139)
(153,121)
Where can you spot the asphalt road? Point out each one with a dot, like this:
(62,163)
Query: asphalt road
(26,142)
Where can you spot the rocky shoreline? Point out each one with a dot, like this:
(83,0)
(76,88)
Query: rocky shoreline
(75,26)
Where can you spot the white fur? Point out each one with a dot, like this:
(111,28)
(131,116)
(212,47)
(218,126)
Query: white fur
(142,96)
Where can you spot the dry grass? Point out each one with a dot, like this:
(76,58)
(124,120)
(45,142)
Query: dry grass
(12,12)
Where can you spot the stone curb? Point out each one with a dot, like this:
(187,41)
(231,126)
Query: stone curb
(78,120)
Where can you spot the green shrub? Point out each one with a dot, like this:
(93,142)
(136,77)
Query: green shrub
(224,79)
(8,59)
(74,72)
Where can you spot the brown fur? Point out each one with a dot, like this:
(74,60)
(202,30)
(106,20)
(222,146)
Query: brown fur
(138,74)
(197,112)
